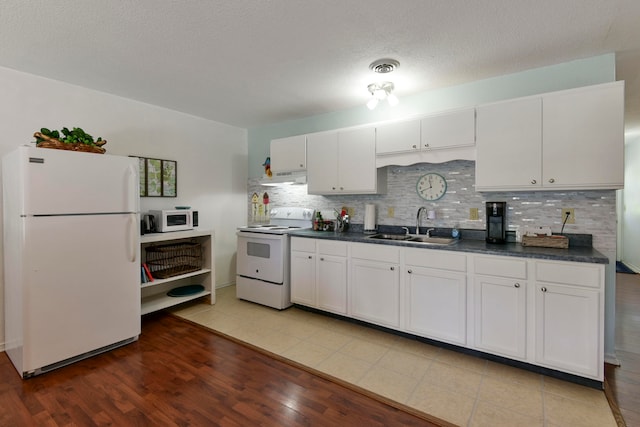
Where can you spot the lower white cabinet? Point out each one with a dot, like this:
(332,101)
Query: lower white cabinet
(436,294)
(374,284)
(436,304)
(569,312)
(500,305)
(543,312)
(303,271)
(319,274)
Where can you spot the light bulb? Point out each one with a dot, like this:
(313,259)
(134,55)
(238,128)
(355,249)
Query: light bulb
(372,103)
(393,100)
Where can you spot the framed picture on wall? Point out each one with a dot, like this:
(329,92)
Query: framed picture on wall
(158,177)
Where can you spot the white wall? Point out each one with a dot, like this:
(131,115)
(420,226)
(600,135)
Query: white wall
(630,213)
(212,157)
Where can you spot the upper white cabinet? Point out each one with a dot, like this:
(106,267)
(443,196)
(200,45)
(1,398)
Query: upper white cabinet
(437,138)
(509,145)
(449,129)
(563,140)
(398,137)
(344,162)
(583,138)
(289,154)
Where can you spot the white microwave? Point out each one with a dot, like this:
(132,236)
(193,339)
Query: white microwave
(175,220)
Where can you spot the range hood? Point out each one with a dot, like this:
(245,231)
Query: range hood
(285,178)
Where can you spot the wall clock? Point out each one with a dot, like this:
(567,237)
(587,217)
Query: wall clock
(431,186)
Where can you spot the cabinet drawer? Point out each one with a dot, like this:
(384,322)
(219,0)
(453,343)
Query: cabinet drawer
(331,247)
(443,260)
(303,244)
(579,274)
(498,266)
(376,252)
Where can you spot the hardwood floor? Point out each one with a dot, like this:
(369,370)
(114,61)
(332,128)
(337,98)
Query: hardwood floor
(180,374)
(624,380)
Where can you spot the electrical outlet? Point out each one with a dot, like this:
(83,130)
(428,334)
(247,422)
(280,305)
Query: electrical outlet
(473,214)
(572,216)
(391,212)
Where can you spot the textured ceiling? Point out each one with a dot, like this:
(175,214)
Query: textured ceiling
(255,62)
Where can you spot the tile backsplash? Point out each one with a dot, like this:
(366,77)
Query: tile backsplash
(595,211)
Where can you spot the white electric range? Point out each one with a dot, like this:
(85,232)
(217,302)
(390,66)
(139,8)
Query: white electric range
(263,260)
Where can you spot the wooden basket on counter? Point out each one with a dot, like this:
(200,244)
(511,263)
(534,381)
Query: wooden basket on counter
(45,141)
(546,241)
(171,260)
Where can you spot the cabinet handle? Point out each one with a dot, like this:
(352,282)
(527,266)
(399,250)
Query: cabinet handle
(301,165)
(321,259)
(333,188)
(426,145)
(552,180)
(543,289)
(414,146)
(310,257)
(517,285)
(393,268)
(533,181)
(409,271)
(341,188)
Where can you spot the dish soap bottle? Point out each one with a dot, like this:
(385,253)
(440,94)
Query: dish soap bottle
(455,233)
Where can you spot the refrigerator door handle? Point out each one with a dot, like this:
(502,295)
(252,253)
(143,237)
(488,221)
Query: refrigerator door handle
(133,233)
(132,188)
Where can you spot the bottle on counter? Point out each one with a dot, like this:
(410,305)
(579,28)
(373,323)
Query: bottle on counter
(318,223)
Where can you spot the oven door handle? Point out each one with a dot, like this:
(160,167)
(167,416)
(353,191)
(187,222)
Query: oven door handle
(259,236)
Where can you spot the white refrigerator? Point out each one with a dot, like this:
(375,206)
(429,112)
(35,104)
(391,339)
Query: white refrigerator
(71,256)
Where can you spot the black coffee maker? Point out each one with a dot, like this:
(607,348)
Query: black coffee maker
(496,222)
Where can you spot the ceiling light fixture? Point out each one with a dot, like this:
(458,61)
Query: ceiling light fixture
(382,90)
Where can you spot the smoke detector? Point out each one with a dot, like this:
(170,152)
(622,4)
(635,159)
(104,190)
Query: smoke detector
(384,66)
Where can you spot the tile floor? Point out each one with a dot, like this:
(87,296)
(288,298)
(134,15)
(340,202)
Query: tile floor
(461,389)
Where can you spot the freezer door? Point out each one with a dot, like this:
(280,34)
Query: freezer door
(67,182)
(81,285)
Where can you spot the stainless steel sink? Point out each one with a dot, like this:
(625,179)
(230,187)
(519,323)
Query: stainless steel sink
(390,236)
(432,240)
(415,238)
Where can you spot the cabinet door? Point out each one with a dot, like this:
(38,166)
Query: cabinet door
(322,163)
(568,330)
(449,129)
(399,137)
(303,278)
(289,154)
(509,145)
(374,291)
(436,303)
(331,283)
(583,138)
(500,314)
(357,171)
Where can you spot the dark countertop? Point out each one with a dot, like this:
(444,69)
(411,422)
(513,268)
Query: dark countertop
(474,245)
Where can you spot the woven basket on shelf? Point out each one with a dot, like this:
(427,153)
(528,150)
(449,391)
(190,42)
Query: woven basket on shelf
(170,260)
(48,142)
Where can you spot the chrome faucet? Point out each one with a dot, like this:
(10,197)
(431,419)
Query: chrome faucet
(429,231)
(420,210)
